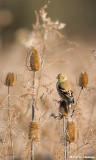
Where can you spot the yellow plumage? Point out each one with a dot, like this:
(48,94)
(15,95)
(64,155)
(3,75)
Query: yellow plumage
(64,88)
(65,85)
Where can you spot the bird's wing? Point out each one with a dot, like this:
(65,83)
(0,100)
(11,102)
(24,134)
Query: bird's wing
(65,86)
(65,89)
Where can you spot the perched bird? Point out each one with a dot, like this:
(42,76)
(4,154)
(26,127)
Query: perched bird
(64,88)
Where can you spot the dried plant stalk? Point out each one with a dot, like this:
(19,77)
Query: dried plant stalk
(65,138)
(83,80)
(34,60)
(63,109)
(33,65)
(33,131)
(71,132)
(9,80)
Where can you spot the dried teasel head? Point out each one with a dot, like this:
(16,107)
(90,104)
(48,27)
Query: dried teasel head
(39,157)
(63,108)
(33,131)
(83,80)
(71,132)
(34,59)
(9,79)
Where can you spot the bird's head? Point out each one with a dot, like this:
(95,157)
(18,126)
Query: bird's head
(61,77)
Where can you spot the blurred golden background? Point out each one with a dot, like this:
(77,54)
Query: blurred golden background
(70,55)
(79,15)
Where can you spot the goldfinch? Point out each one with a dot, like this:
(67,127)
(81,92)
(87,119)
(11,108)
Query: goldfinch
(64,88)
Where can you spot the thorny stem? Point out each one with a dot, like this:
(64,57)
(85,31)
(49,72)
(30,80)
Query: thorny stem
(77,135)
(69,152)
(11,140)
(32,151)
(8,103)
(38,87)
(70,114)
(65,142)
(33,105)
(77,120)
(33,96)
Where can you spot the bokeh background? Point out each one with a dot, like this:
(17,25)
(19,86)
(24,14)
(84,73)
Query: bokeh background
(79,15)
(70,55)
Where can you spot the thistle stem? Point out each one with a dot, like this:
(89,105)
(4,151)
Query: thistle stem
(33,96)
(69,151)
(65,142)
(77,121)
(11,140)
(33,106)
(8,103)
(32,151)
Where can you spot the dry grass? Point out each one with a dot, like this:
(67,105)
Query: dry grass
(33,97)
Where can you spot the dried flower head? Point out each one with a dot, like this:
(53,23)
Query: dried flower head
(63,109)
(34,59)
(33,131)
(83,80)
(9,79)
(39,157)
(47,24)
(42,29)
(71,132)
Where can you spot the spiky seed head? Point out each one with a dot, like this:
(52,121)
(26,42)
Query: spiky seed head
(34,59)
(83,80)
(39,156)
(63,108)
(9,80)
(71,132)
(33,131)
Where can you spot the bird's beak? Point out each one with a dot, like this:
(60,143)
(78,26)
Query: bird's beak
(57,77)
